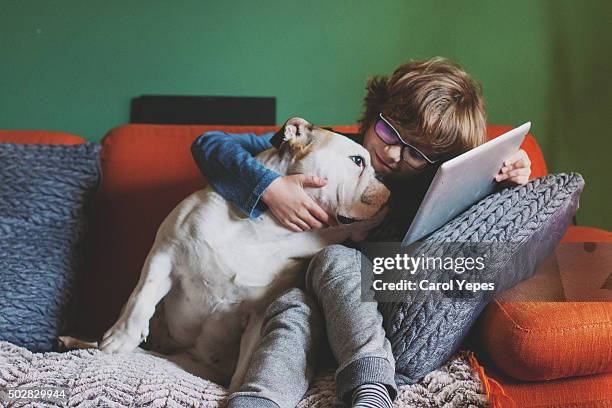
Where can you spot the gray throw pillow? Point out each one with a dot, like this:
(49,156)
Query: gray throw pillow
(44,190)
(524,224)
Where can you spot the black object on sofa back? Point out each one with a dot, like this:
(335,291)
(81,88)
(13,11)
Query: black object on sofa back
(203,110)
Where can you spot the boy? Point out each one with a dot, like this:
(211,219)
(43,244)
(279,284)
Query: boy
(424,113)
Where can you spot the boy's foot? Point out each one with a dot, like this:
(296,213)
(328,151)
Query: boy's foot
(374,395)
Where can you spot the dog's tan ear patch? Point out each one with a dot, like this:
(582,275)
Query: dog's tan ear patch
(296,145)
(300,150)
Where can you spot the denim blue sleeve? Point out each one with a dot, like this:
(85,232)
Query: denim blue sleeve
(228,163)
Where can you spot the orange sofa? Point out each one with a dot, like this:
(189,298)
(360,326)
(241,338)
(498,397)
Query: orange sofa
(148,169)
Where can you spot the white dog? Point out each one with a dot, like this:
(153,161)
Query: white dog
(211,272)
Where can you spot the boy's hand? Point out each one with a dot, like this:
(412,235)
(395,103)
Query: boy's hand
(292,207)
(516,169)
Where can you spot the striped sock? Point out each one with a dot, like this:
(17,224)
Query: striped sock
(371,395)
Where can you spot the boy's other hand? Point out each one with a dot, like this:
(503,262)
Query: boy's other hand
(516,169)
(292,207)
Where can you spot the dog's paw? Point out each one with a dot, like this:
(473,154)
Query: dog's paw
(121,338)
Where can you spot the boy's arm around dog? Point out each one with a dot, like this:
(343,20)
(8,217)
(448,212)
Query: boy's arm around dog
(228,163)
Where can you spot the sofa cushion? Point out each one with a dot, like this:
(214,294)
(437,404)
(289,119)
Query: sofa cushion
(39,137)
(521,224)
(44,190)
(147,170)
(591,391)
(577,233)
(537,341)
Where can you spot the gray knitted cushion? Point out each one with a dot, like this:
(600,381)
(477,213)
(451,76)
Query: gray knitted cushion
(527,222)
(43,193)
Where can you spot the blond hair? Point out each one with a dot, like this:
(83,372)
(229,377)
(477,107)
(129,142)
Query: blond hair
(435,100)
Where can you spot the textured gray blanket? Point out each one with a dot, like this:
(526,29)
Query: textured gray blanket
(95,379)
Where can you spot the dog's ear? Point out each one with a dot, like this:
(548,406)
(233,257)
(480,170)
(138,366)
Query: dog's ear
(278,138)
(296,132)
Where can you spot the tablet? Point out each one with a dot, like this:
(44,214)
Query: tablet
(462,181)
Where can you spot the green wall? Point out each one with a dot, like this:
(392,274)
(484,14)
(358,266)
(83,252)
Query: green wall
(74,65)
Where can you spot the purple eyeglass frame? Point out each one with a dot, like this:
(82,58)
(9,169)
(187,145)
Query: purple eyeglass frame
(400,140)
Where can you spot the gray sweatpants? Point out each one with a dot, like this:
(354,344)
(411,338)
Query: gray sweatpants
(293,334)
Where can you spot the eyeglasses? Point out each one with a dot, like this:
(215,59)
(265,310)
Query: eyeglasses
(410,154)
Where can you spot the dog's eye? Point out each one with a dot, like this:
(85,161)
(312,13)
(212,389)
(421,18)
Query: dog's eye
(358,160)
